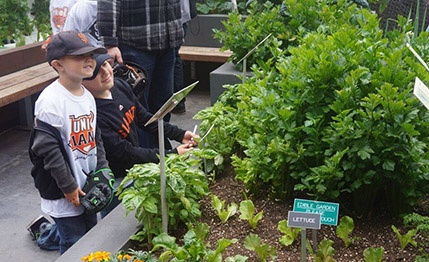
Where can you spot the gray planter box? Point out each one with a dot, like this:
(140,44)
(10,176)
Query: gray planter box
(226,74)
(200,30)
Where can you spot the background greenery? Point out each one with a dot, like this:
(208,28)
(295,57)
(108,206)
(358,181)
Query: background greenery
(329,111)
(18,20)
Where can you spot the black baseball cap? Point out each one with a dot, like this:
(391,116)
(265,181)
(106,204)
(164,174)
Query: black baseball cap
(99,58)
(70,43)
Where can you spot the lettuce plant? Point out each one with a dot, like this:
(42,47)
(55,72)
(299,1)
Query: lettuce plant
(223,210)
(247,210)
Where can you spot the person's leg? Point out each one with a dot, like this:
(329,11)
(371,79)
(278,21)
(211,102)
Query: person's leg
(49,238)
(146,61)
(179,83)
(162,87)
(159,66)
(71,229)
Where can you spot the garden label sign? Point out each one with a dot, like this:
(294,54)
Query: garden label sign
(328,211)
(303,220)
(421,91)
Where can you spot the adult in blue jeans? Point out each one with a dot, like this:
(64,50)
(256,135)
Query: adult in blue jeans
(188,8)
(146,33)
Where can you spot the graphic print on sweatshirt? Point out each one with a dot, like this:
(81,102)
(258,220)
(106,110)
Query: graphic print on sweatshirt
(82,136)
(59,15)
(126,121)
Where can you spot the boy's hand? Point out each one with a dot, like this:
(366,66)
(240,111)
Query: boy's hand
(184,148)
(73,197)
(188,138)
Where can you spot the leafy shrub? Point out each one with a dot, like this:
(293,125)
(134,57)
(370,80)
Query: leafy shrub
(334,116)
(225,6)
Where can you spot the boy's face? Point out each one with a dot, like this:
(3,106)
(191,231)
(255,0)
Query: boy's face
(100,86)
(79,67)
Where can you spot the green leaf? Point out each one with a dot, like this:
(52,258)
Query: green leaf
(290,234)
(344,229)
(407,238)
(372,254)
(224,212)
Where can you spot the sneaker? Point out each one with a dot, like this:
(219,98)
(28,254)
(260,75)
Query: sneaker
(35,225)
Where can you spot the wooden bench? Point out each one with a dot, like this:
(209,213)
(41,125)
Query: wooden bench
(203,54)
(20,85)
(23,73)
(26,82)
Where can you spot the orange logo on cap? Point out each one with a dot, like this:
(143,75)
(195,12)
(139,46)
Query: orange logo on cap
(82,37)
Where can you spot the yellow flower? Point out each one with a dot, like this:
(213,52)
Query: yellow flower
(98,256)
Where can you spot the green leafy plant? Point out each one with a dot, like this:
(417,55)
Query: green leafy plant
(185,185)
(325,251)
(14,22)
(263,251)
(224,6)
(329,112)
(194,247)
(417,221)
(290,234)
(373,254)
(247,210)
(407,238)
(223,211)
(242,34)
(41,16)
(344,229)
(421,224)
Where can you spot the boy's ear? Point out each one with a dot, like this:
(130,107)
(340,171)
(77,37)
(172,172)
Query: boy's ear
(57,64)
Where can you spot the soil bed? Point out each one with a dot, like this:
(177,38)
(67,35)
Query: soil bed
(376,232)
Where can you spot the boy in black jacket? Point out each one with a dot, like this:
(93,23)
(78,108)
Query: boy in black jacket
(119,115)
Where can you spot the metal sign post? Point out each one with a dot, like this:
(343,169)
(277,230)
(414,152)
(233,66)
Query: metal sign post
(244,59)
(303,220)
(159,116)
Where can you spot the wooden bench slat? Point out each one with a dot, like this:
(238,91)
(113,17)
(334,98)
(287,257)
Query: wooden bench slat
(203,54)
(25,75)
(26,82)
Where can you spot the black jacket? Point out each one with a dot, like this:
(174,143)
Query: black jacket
(118,120)
(51,167)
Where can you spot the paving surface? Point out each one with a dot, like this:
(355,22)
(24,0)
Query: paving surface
(19,199)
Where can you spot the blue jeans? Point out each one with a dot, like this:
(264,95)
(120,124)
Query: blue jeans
(178,71)
(49,239)
(66,231)
(159,65)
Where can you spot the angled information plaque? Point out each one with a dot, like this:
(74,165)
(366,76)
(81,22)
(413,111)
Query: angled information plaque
(171,103)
